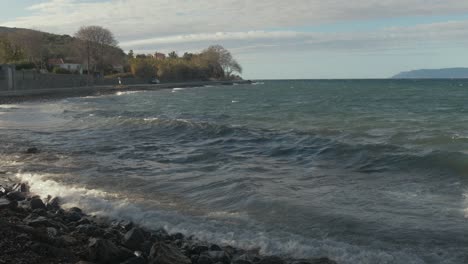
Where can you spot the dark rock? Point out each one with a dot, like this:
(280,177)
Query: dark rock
(162,253)
(46,250)
(32,150)
(104,251)
(134,238)
(218,256)
(72,216)
(68,240)
(53,204)
(135,260)
(177,236)
(146,247)
(124,224)
(84,262)
(322,261)
(90,230)
(159,235)
(36,203)
(4,203)
(20,187)
(3,191)
(40,212)
(40,221)
(198,249)
(194,259)
(215,248)
(51,232)
(76,210)
(272,260)
(203,259)
(83,221)
(16,196)
(241,261)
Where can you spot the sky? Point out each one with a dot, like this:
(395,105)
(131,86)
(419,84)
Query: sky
(273,39)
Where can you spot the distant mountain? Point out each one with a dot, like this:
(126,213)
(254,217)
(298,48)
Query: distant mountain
(448,73)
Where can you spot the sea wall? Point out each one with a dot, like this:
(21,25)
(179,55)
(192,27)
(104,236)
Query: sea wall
(20,80)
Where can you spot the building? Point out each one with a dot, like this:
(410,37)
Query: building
(72,67)
(159,56)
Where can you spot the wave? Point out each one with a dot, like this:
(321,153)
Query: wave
(227,228)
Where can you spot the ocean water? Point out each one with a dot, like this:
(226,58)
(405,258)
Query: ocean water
(361,171)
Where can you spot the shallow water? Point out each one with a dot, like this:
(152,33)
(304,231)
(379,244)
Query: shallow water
(370,171)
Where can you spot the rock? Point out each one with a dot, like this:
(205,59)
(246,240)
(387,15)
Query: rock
(48,250)
(72,216)
(36,203)
(106,252)
(134,238)
(83,221)
(177,236)
(203,259)
(53,204)
(4,203)
(16,196)
(146,247)
(51,232)
(322,261)
(68,240)
(20,187)
(124,224)
(272,260)
(159,235)
(215,248)
(84,262)
(241,261)
(3,191)
(76,210)
(217,256)
(40,221)
(162,253)
(32,150)
(40,212)
(198,249)
(90,230)
(135,260)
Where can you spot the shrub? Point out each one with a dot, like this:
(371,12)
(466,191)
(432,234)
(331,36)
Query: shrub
(58,70)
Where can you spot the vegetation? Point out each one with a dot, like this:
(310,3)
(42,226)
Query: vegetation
(214,62)
(96,49)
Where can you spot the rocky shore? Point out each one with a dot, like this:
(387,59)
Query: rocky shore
(36,229)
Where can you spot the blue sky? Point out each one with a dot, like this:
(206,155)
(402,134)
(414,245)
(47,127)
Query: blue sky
(274,39)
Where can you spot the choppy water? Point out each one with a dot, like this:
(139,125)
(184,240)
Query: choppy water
(371,171)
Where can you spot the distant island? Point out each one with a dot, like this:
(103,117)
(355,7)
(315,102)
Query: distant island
(447,73)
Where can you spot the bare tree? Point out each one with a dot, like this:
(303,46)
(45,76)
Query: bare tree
(94,43)
(32,44)
(224,59)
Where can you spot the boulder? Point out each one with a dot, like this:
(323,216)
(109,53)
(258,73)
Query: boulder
(4,203)
(135,260)
(106,252)
(134,238)
(46,250)
(217,256)
(53,204)
(72,216)
(323,261)
(36,203)
(90,230)
(203,259)
(32,150)
(197,249)
(272,260)
(215,248)
(16,196)
(20,187)
(162,253)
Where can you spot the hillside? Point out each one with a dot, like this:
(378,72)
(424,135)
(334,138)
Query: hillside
(447,73)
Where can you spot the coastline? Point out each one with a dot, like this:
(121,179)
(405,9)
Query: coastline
(36,229)
(17,96)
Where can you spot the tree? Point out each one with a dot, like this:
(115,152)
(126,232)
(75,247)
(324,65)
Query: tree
(95,42)
(32,44)
(173,55)
(131,55)
(217,54)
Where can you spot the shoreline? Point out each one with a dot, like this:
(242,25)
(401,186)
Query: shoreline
(36,229)
(18,96)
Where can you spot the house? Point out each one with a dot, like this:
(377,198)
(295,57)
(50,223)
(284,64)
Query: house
(159,56)
(70,66)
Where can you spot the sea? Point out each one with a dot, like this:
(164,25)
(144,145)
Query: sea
(360,171)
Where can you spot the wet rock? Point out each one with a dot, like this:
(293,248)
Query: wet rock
(51,232)
(215,248)
(32,150)
(323,261)
(40,221)
(20,187)
(272,260)
(3,191)
(90,230)
(134,238)
(4,203)
(84,262)
(246,258)
(241,261)
(203,259)
(83,221)
(162,253)
(123,224)
(16,196)
(76,210)
(104,251)
(159,235)
(217,256)
(72,216)
(135,260)
(177,236)
(146,247)
(36,203)
(40,212)
(68,240)
(53,204)
(198,249)
(46,250)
